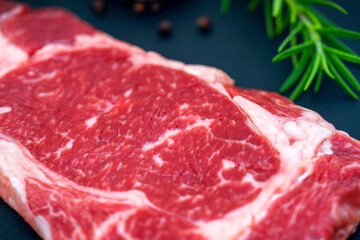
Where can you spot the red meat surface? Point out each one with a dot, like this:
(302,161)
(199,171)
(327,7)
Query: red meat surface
(102,140)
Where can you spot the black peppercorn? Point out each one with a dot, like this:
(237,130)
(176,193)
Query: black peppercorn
(165,28)
(155,6)
(204,24)
(139,7)
(98,6)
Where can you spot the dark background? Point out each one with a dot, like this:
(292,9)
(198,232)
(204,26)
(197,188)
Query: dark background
(237,45)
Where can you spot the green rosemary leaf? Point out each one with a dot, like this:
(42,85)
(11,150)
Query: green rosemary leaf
(278,20)
(342,83)
(294,57)
(337,44)
(323,19)
(293,50)
(339,32)
(253,4)
(300,87)
(325,67)
(318,80)
(314,70)
(268,19)
(296,73)
(284,23)
(292,34)
(225,6)
(327,3)
(293,13)
(341,54)
(306,35)
(339,65)
(324,60)
(277,6)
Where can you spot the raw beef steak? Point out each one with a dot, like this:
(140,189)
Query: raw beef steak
(102,140)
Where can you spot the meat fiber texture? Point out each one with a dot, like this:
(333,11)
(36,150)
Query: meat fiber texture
(102,140)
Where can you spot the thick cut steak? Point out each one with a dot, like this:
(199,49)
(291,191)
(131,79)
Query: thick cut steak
(102,140)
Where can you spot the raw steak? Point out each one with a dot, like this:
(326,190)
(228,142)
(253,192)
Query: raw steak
(102,140)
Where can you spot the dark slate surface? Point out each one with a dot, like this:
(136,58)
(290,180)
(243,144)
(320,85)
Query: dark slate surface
(237,45)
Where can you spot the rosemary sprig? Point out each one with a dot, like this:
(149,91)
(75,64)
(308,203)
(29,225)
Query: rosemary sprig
(314,47)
